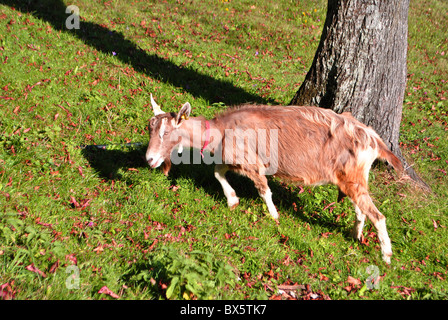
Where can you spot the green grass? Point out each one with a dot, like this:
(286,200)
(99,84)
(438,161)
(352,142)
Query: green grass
(146,236)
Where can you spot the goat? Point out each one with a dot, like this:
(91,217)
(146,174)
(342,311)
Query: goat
(314,146)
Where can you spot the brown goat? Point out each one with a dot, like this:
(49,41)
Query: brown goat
(307,145)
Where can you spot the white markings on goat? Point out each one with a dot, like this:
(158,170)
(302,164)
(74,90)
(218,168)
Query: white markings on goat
(229,192)
(267,197)
(162,129)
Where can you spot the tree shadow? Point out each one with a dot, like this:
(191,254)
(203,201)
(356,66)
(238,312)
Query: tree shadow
(107,41)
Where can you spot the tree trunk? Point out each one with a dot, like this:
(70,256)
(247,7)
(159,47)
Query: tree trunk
(360,66)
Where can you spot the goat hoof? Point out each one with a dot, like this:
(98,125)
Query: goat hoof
(357,236)
(233,205)
(386,259)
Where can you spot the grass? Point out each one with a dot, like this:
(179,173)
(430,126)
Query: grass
(133,233)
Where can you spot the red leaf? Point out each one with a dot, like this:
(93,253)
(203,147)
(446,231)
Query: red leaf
(54,267)
(434,223)
(33,268)
(98,249)
(348,288)
(43,223)
(353,281)
(322,277)
(74,202)
(85,203)
(6,292)
(71,258)
(109,292)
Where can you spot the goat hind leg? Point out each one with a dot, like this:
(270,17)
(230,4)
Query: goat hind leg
(359,223)
(364,206)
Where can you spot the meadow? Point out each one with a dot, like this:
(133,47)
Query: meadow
(82,222)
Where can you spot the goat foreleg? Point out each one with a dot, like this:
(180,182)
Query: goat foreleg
(229,192)
(267,197)
(261,183)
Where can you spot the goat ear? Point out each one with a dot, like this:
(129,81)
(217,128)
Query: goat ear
(155,107)
(183,114)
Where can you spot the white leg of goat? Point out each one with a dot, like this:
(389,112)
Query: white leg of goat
(359,223)
(383,237)
(229,192)
(267,197)
(366,206)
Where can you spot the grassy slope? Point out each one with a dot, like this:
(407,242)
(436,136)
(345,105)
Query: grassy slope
(145,236)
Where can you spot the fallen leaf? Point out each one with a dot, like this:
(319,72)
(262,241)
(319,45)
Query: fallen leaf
(33,268)
(348,288)
(71,258)
(322,277)
(286,287)
(80,171)
(6,292)
(353,281)
(54,267)
(74,202)
(434,223)
(98,249)
(109,292)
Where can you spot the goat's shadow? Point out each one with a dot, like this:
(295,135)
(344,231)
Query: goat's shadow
(108,164)
(285,196)
(108,160)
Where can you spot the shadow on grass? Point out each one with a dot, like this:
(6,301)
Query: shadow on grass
(107,41)
(109,163)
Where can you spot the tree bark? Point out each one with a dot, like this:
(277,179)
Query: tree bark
(360,66)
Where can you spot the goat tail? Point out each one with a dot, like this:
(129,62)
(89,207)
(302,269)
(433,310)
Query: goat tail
(385,154)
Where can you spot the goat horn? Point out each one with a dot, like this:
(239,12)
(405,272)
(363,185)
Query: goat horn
(155,107)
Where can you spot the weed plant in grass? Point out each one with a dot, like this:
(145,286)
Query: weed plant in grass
(100,224)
